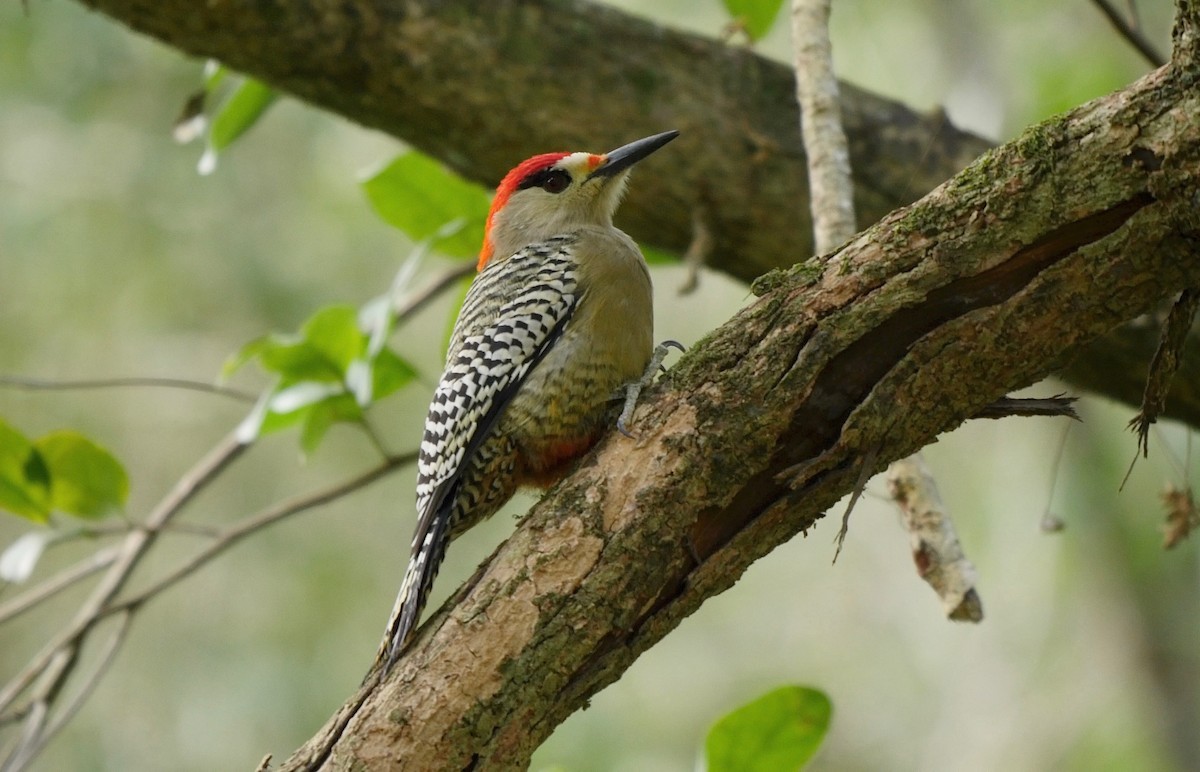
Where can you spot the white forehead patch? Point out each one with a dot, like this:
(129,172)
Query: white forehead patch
(580,163)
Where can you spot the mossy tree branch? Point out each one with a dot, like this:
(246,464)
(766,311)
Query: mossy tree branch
(479,84)
(986,285)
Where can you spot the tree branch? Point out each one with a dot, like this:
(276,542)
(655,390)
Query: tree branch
(830,184)
(1132,34)
(479,84)
(983,287)
(51,667)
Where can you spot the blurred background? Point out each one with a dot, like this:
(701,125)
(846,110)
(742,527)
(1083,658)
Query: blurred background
(117,258)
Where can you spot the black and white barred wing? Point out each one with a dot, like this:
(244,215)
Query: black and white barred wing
(487,364)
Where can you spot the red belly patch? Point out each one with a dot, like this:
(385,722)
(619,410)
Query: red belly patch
(548,462)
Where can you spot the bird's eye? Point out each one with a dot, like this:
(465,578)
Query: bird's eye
(556,181)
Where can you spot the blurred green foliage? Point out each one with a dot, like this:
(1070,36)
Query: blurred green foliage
(62,471)
(328,373)
(755,17)
(243,107)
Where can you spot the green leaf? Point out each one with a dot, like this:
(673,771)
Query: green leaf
(297,360)
(326,374)
(273,422)
(756,16)
(316,425)
(334,332)
(779,731)
(214,74)
(85,479)
(239,112)
(328,342)
(390,374)
(321,416)
(421,197)
(261,420)
(24,476)
(247,352)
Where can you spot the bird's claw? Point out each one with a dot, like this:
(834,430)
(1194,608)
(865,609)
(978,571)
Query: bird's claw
(634,390)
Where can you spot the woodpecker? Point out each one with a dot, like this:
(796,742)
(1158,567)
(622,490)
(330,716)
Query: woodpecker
(556,326)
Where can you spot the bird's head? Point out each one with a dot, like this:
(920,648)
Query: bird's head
(547,194)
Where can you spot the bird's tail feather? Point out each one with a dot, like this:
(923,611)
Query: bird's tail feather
(414,591)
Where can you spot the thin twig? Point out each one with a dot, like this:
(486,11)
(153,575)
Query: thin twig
(58,655)
(107,657)
(55,661)
(45,384)
(374,437)
(1041,407)
(1050,523)
(411,304)
(235,533)
(13,717)
(33,721)
(860,485)
(124,527)
(1132,34)
(698,251)
(50,587)
(36,731)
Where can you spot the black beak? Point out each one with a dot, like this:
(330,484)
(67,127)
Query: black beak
(623,157)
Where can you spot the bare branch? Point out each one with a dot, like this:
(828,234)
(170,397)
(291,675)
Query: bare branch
(939,557)
(46,384)
(410,304)
(1041,407)
(935,547)
(53,664)
(1164,365)
(255,523)
(107,656)
(50,587)
(1131,33)
(743,121)
(831,191)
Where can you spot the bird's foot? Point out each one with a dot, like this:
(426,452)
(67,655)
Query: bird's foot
(634,390)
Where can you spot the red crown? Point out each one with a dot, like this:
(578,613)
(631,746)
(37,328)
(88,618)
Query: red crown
(506,188)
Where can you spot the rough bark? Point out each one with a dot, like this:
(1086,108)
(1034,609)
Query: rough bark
(478,84)
(984,286)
